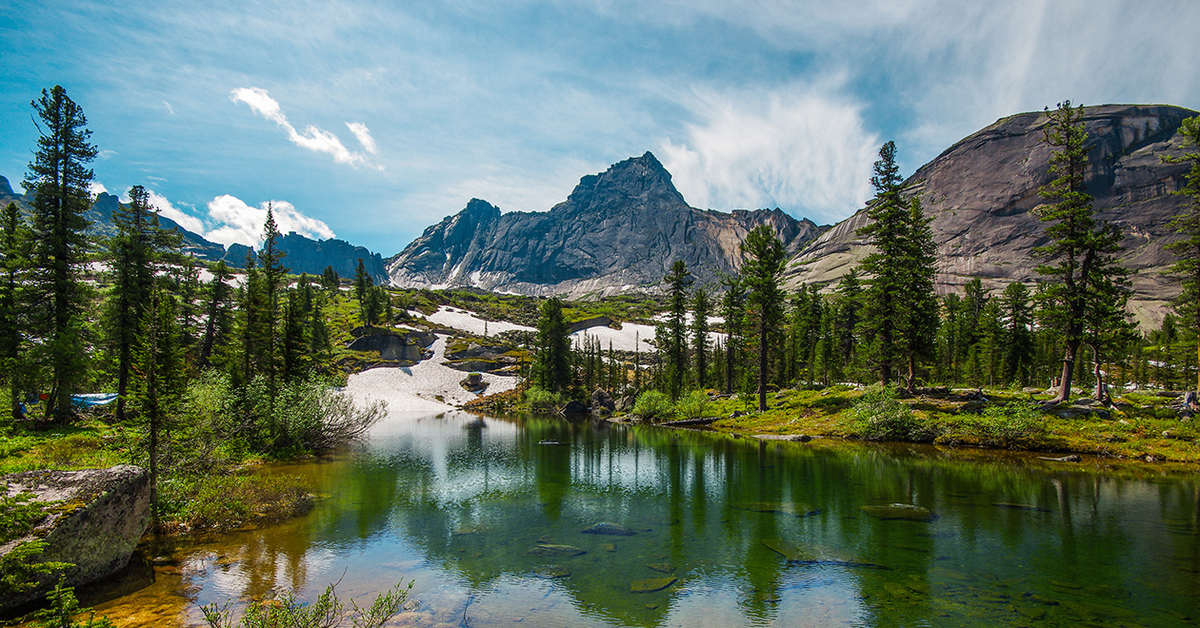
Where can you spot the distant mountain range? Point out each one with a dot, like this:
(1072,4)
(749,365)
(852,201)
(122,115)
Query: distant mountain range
(621,229)
(304,255)
(618,230)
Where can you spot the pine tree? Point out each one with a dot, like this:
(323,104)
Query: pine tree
(1081,254)
(919,319)
(160,380)
(362,292)
(59,179)
(700,312)
(678,279)
(1187,224)
(760,273)
(295,358)
(271,273)
(330,279)
(850,306)
(14,253)
(552,370)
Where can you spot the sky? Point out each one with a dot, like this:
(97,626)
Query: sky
(369,121)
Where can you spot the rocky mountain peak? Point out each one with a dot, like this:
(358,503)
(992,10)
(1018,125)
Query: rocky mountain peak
(5,187)
(637,182)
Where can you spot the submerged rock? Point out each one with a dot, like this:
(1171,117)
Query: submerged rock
(94,519)
(549,549)
(781,508)
(900,512)
(610,529)
(550,572)
(651,585)
(662,567)
(809,554)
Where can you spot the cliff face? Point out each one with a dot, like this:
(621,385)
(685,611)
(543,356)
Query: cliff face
(617,230)
(980,194)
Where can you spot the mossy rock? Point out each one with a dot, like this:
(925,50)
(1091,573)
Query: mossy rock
(900,512)
(651,585)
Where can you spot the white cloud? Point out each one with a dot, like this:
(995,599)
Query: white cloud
(165,208)
(95,188)
(802,149)
(238,222)
(313,138)
(363,134)
(168,107)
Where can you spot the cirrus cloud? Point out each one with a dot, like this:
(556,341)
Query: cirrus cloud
(313,138)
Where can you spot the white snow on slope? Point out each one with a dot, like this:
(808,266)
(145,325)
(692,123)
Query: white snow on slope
(468,322)
(415,388)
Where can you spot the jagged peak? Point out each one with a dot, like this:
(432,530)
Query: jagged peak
(642,176)
(6,187)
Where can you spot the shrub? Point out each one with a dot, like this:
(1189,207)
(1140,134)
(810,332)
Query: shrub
(878,415)
(544,401)
(226,502)
(1008,424)
(693,405)
(326,612)
(652,404)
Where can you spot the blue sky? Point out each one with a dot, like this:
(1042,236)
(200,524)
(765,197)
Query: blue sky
(373,120)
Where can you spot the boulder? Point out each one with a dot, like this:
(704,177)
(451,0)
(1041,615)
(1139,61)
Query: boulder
(575,406)
(610,529)
(625,404)
(95,519)
(603,402)
(391,344)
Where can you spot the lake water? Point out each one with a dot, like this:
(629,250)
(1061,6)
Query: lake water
(730,531)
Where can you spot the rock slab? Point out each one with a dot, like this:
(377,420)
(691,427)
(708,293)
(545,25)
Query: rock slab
(95,519)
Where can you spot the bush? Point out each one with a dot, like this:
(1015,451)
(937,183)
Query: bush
(878,415)
(1009,424)
(652,404)
(544,401)
(227,502)
(326,612)
(693,405)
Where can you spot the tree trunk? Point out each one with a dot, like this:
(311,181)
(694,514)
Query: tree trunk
(912,373)
(1064,386)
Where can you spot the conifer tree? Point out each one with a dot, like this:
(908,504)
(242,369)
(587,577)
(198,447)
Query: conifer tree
(1080,257)
(850,306)
(887,233)
(760,273)
(330,279)
(552,369)
(14,252)
(362,291)
(1018,333)
(733,305)
(218,320)
(59,179)
(160,379)
(675,342)
(919,318)
(1187,224)
(700,312)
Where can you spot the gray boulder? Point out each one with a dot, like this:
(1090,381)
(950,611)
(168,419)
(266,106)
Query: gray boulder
(94,520)
(602,402)
(398,345)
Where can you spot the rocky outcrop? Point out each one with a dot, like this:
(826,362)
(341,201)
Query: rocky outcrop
(94,520)
(393,345)
(981,193)
(482,355)
(617,230)
(305,255)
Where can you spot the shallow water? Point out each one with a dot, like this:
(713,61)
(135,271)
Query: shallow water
(755,534)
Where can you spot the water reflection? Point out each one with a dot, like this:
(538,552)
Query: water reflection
(479,511)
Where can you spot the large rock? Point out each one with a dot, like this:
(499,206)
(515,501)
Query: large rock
(617,230)
(982,191)
(95,519)
(398,345)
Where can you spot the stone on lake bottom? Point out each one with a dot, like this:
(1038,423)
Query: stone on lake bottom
(546,549)
(550,572)
(662,567)
(651,585)
(611,529)
(900,512)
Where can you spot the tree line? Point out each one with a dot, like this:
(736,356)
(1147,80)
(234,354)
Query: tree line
(884,322)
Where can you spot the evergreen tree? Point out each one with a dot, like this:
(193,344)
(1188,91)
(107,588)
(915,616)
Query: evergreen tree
(14,252)
(330,279)
(760,273)
(134,253)
(362,292)
(1018,333)
(59,179)
(919,320)
(849,307)
(295,349)
(678,279)
(218,320)
(887,233)
(733,305)
(160,382)
(1187,224)
(1080,257)
(271,274)
(700,312)
(552,370)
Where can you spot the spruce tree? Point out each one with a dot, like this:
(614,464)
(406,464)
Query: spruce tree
(678,279)
(700,312)
(160,379)
(733,305)
(362,291)
(1018,333)
(1080,258)
(760,273)
(552,369)
(849,307)
(218,320)
(14,252)
(59,178)
(919,306)
(887,233)
(1187,224)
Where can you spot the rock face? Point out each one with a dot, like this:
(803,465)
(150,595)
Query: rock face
(619,229)
(392,344)
(980,194)
(96,520)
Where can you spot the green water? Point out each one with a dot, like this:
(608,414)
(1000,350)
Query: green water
(755,533)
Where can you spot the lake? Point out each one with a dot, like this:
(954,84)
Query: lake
(487,516)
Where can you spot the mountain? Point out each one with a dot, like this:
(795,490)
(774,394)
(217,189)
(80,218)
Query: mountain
(619,229)
(304,255)
(980,194)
